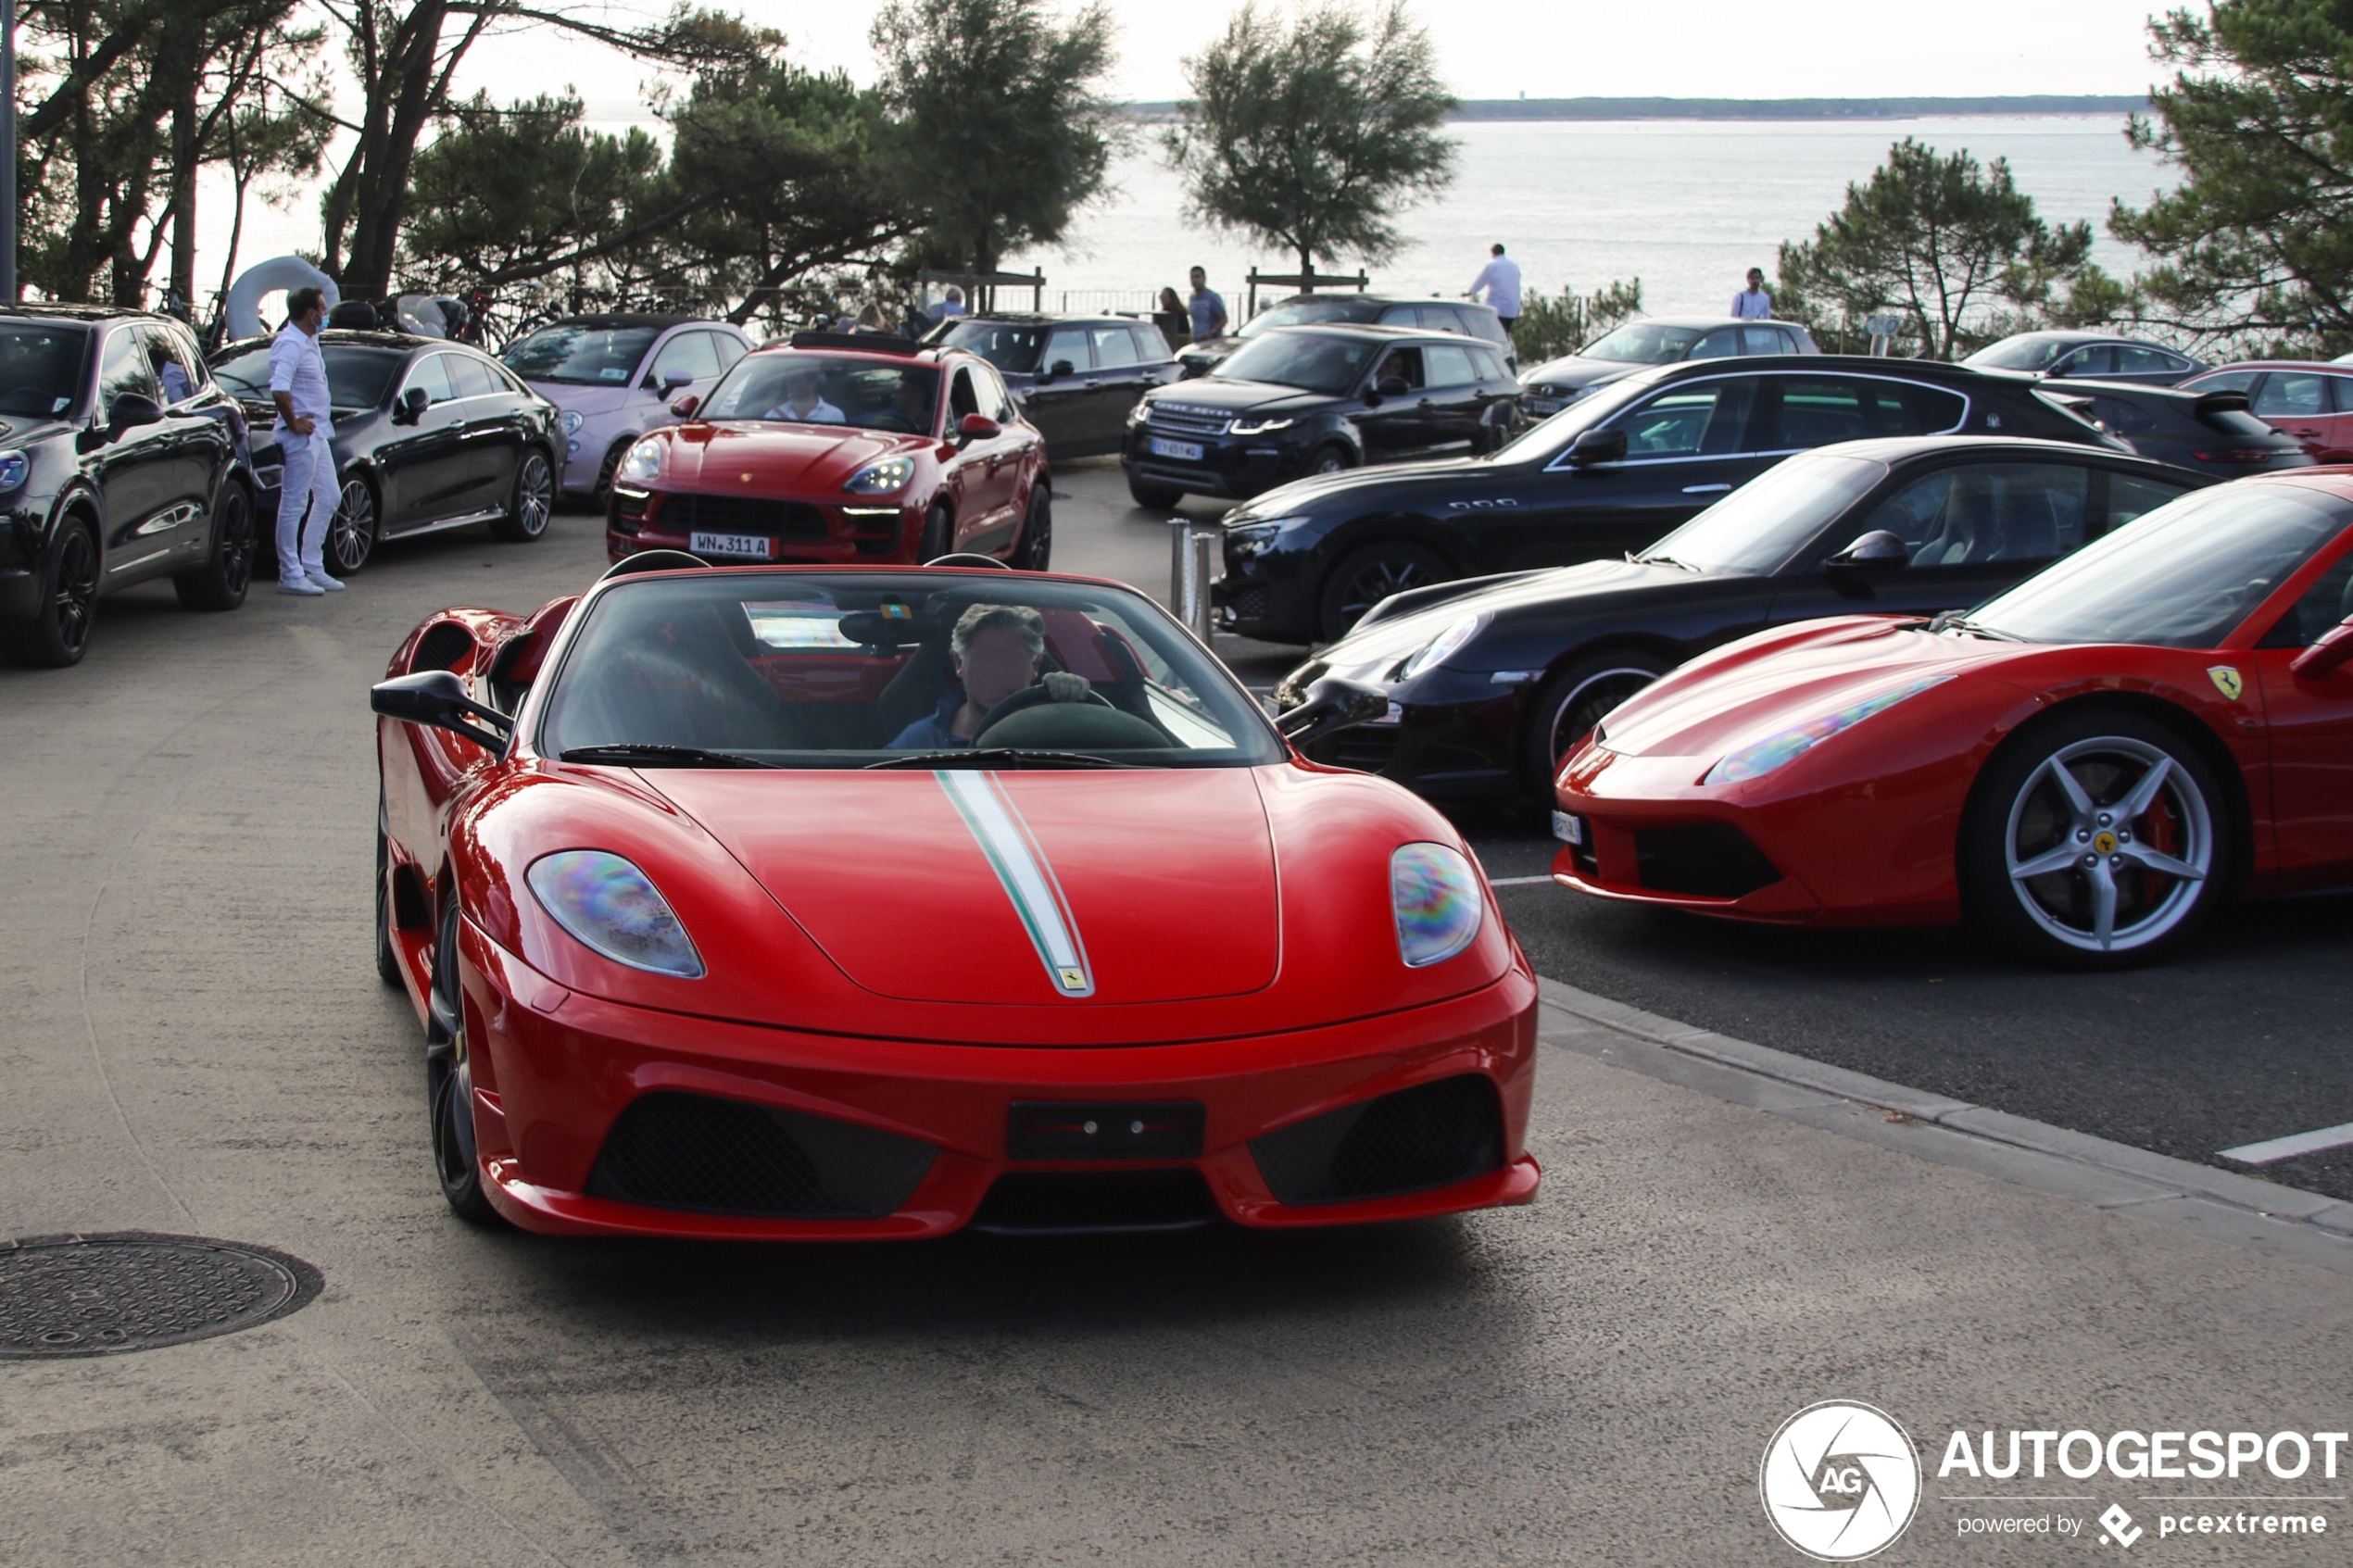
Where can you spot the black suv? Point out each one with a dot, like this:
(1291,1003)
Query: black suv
(1314,400)
(119,462)
(1467,317)
(1077,376)
(1613,472)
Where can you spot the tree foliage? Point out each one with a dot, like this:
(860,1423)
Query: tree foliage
(1952,246)
(1552,326)
(2255,242)
(1001,130)
(1313,136)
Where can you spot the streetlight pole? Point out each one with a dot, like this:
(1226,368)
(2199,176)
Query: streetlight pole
(7,152)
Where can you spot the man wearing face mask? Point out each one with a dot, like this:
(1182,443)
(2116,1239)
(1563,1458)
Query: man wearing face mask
(997,648)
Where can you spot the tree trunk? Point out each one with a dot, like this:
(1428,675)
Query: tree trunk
(1306,270)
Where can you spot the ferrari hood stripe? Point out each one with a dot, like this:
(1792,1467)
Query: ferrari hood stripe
(1028,879)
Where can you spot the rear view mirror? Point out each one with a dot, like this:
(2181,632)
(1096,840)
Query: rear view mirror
(1597,446)
(684,408)
(437,699)
(412,407)
(976,427)
(2325,657)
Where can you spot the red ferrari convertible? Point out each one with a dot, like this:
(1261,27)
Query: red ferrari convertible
(2086,765)
(770,903)
(841,449)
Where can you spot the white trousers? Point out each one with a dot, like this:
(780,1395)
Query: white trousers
(307,485)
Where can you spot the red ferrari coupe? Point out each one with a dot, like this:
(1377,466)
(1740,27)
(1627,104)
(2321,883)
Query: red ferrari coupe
(840,449)
(2086,765)
(870,902)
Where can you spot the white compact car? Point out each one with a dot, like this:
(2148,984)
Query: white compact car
(615,378)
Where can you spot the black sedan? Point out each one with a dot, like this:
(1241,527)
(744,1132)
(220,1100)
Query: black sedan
(1491,684)
(1659,339)
(428,436)
(1077,376)
(1467,317)
(2211,431)
(121,462)
(2065,356)
(1302,400)
(1617,470)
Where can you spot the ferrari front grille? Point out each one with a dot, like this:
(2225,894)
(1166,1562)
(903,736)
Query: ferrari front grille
(1048,1203)
(687,513)
(1704,860)
(674,1150)
(1428,1137)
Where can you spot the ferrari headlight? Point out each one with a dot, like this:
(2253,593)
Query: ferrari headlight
(612,908)
(1446,642)
(1773,751)
(1438,901)
(881,476)
(574,419)
(1258,427)
(644,462)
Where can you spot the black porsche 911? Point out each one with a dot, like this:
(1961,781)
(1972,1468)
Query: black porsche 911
(1609,475)
(429,434)
(1491,683)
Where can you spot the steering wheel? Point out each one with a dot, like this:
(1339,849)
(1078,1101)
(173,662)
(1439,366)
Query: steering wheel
(1030,696)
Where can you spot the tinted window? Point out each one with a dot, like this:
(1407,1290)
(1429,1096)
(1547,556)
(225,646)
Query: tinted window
(1065,346)
(2294,395)
(803,388)
(1690,420)
(2325,605)
(1441,318)
(1115,346)
(126,370)
(577,353)
(175,365)
(1307,312)
(688,355)
(2020,354)
(1007,347)
(1766,522)
(2184,576)
(1150,347)
(1983,512)
(2122,417)
(431,374)
(2227,381)
(472,377)
(1721,344)
(2240,424)
(2131,497)
(2133,360)
(2098,360)
(1643,342)
(41,366)
(1406,365)
(357,378)
(1310,361)
(1449,366)
(1403,316)
(1817,410)
(1766,340)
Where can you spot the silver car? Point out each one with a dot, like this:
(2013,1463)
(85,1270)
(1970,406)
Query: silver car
(615,377)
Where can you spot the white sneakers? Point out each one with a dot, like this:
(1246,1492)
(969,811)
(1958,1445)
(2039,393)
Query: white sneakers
(330,584)
(302,586)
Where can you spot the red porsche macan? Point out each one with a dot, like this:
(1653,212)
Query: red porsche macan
(2086,765)
(840,449)
(875,902)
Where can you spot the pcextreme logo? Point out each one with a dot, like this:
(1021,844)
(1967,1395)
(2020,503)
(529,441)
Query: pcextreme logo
(1839,1480)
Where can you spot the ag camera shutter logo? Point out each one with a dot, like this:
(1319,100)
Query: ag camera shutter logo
(1839,1480)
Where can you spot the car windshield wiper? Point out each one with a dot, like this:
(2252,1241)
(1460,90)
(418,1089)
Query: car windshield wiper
(1949,621)
(998,757)
(1664,560)
(646,754)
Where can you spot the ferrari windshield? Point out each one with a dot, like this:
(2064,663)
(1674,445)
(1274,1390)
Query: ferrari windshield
(1772,517)
(2184,576)
(795,387)
(1309,361)
(807,670)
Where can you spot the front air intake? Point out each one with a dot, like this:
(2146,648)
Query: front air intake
(1430,1137)
(1705,860)
(674,1150)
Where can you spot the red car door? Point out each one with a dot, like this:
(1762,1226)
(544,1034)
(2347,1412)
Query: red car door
(2301,403)
(2311,721)
(985,476)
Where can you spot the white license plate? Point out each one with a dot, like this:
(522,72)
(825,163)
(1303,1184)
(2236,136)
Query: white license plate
(758,545)
(1569,829)
(1541,405)
(1183,451)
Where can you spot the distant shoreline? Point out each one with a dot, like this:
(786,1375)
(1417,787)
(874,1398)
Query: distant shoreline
(1477,109)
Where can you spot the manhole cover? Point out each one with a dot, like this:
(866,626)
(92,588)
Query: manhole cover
(98,1294)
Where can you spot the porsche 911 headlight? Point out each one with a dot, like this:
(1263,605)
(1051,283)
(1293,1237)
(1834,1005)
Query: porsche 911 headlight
(1446,642)
(881,477)
(1773,751)
(644,462)
(1438,901)
(614,910)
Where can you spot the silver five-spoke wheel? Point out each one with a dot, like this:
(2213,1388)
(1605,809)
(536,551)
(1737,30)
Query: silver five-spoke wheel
(2109,842)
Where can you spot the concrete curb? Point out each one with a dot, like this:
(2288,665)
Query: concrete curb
(2277,1221)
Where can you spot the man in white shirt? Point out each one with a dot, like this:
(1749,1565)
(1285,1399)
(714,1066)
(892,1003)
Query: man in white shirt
(1754,304)
(306,423)
(803,403)
(1499,280)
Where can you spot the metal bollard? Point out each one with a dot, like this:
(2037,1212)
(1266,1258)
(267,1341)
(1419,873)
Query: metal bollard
(1192,564)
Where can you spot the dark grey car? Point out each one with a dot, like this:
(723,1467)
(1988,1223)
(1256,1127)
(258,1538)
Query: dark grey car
(2211,431)
(1075,376)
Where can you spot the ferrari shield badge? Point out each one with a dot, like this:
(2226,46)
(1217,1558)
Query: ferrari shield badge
(2226,681)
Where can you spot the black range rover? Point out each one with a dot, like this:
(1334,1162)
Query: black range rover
(1315,400)
(1608,475)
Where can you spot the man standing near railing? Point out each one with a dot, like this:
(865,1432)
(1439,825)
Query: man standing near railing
(1207,307)
(1499,280)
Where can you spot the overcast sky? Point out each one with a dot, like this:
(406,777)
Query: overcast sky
(1546,48)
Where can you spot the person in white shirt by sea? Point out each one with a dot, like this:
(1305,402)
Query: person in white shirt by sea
(1753,304)
(308,491)
(1500,281)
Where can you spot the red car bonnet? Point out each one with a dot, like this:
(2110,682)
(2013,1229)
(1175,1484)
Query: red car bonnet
(769,459)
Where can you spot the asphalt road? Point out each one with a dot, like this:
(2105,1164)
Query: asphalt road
(195,1042)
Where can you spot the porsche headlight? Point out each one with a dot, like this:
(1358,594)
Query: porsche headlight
(1438,902)
(612,908)
(644,462)
(1773,751)
(881,476)
(1258,427)
(1446,642)
(574,419)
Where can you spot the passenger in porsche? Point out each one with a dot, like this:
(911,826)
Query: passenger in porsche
(995,649)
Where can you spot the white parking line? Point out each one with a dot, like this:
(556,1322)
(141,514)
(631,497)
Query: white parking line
(2289,1148)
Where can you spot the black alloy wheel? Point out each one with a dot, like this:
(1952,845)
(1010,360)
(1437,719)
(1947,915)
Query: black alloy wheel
(1371,575)
(532,502)
(1330,459)
(58,634)
(940,534)
(1159,497)
(351,536)
(601,494)
(1037,550)
(221,581)
(450,1085)
(1570,703)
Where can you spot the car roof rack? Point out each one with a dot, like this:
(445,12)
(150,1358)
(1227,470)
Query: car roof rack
(653,560)
(868,343)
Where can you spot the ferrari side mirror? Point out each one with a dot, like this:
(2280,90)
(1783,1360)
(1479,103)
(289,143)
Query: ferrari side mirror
(437,699)
(2325,657)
